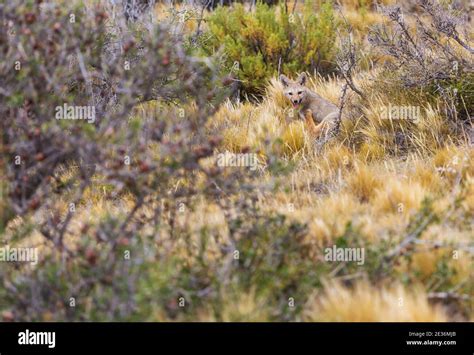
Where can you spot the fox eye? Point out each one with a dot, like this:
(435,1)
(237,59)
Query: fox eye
(300,92)
(290,93)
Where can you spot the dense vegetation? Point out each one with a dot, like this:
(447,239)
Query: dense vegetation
(132,214)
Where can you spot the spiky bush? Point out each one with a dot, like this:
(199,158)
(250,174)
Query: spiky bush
(434,55)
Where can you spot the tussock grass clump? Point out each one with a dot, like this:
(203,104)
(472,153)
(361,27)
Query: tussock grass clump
(365,303)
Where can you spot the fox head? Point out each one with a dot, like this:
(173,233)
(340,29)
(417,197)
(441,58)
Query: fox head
(295,91)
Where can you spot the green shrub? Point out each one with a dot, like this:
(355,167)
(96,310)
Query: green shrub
(259,44)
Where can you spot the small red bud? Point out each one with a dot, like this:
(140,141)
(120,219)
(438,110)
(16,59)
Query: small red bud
(91,256)
(39,157)
(7,316)
(30,18)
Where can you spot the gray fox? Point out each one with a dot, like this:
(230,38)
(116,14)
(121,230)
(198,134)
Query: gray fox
(311,107)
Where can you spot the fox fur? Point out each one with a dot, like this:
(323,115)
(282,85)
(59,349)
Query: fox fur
(319,114)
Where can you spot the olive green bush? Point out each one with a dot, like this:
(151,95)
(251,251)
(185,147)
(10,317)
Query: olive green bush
(259,44)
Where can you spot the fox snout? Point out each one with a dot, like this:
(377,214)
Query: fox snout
(296,102)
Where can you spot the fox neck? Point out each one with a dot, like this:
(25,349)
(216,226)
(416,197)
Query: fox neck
(306,100)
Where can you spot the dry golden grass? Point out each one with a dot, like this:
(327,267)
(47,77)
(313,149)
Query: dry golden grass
(366,303)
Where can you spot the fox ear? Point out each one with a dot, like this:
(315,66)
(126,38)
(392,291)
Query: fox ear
(284,80)
(301,79)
